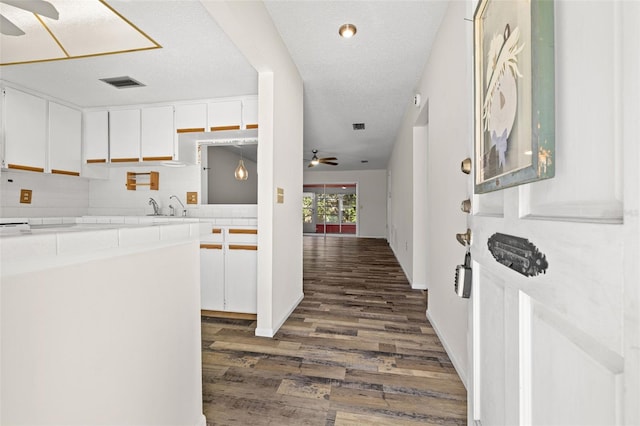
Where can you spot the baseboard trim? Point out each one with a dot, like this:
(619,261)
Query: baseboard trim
(270,332)
(454,360)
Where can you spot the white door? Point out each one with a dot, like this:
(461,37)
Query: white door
(308,212)
(563,347)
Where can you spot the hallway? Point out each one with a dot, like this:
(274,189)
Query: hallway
(358,350)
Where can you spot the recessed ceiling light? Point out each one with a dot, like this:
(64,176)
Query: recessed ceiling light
(347,30)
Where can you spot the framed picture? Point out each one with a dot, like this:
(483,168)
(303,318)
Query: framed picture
(514,93)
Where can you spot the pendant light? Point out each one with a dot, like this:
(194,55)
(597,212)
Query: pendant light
(241,172)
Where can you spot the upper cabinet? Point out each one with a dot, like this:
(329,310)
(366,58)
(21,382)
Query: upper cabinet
(225,115)
(191,118)
(250,113)
(124,135)
(25,128)
(65,141)
(157,134)
(96,136)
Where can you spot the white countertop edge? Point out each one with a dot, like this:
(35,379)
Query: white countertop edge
(17,267)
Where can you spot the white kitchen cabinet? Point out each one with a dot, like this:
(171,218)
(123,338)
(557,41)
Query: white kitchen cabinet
(191,118)
(212,276)
(65,140)
(96,136)
(250,114)
(241,266)
(158,132)
(124,135)
(225,115)
(228,270)
(25,128)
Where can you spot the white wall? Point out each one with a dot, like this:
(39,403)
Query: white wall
(372,197)
(249,26)
(53,195)
(445,86)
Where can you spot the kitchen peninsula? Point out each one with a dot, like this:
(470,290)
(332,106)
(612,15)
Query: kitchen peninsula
(100,321)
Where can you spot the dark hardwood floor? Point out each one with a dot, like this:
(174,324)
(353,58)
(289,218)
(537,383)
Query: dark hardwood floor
(358,350)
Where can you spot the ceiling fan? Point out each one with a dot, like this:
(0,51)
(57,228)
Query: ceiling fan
(326,160)
(39,7)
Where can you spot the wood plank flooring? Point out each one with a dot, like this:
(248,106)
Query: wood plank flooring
(358,350)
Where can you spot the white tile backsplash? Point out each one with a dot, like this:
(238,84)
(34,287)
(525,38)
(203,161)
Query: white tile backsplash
(62,196)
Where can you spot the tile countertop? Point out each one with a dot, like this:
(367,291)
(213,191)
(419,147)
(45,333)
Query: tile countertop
(59,241)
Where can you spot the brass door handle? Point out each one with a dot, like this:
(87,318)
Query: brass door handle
(464,239)
(465,206)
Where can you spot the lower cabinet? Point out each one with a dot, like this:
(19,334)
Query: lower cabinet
(212,276)
(229,270)
(242,271)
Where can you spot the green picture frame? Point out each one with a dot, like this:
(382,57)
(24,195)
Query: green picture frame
(514,93)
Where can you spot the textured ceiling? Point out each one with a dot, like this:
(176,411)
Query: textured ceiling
(367,79)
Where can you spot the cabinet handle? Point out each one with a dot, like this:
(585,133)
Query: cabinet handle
(96,160)
(64,172)
(191,130)
(167,158)
(242,247)
(219,128)
(28,168)
(216,231)
(211,246)
(125,160)
(243,231)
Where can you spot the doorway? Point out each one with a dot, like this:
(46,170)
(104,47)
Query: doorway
(330,209)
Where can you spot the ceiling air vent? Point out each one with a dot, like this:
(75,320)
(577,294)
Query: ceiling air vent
(122,82)
(358,126)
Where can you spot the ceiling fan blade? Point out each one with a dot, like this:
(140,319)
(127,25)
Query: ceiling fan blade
(40,7)
(331,163)
(328,159)
(311,165)
(9,28)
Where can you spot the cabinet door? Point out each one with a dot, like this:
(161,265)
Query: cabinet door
(157,133)
(96,136)
(211,277)
(124,135)
(25,131)
(225,115)
(241,278)
(65,139)
(250,114)
(191,118)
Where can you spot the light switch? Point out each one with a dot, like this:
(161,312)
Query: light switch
(192,198)
(25,196)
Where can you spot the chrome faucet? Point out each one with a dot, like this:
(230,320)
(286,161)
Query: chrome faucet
(184,209)
(156,209)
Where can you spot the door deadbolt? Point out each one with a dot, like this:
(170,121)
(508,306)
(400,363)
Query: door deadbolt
(465,206)
(465,166)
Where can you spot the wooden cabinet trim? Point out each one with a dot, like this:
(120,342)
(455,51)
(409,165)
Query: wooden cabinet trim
(125,160)
(191,130)
(65,172)
(96,160)
(252,126)
(219,128)
(211,246)
(243,231)
(216,230)
(166,158)
(28,168)
(242,247)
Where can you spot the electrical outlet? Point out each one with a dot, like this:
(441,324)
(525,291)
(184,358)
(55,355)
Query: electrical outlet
(25,196)
(192,198)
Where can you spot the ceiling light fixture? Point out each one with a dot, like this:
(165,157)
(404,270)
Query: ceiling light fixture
(347,30)
(314,160)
